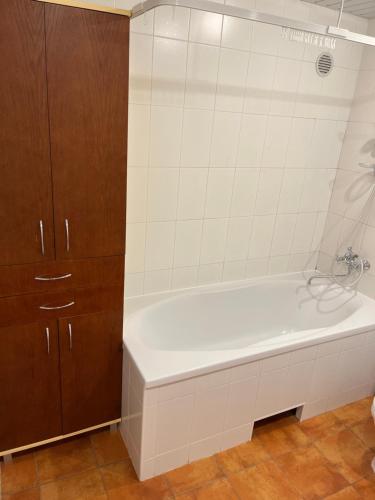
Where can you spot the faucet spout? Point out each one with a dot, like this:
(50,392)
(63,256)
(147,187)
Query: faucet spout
(318,276)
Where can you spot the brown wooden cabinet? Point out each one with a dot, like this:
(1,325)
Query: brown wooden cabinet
(63,143)
(26,214)
(88,70)
(30,404)
(91,364)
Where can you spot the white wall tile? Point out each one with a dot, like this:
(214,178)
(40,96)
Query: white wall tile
(238,239)
(283,234)
(244,191)
(269,186)
(219,192)
(291,190)
(261,236)
(172,22)
(188,243)
(210,273)
(143,24)
(157,281)
(136,200)
(278,264)
(299,145)
(135,247)
(213,240)
(139,135)
(236,33)
(276,143)
(234,270)
(184,277)
(257,267)
(140,68)
(304,233)
(225,139)
(285,86)
(134,284)
(162,193)
(205,27)
(192,193)
(169,72)
(196,135)
(202,71)
(160,238)
(231,80)
(252,137)
(236,124)
(165,140)
(259,83)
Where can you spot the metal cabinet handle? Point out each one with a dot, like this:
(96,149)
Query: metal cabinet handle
(53,278)
(41,229)
(70,336)
(67,235)
(52,308)
(48,340)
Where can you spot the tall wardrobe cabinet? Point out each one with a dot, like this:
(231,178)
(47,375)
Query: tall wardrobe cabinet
(63,155)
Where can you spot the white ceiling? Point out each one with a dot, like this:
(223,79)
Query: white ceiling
(363,8)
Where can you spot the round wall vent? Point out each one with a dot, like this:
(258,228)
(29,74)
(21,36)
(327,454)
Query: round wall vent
(324,64)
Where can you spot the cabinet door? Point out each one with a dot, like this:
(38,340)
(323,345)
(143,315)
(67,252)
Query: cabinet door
(91,368)
(87,67)
(26,232)
(30,403)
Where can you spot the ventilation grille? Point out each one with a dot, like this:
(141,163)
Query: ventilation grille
(324,64)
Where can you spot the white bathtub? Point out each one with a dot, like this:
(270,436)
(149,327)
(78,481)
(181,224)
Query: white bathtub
(174,335)
(202,365)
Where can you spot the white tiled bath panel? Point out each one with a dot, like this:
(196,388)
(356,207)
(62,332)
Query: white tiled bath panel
(234,142)
(171,425)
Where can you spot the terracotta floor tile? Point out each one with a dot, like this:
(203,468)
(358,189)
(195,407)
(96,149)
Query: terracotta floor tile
(321,426)
(18,475)
(152,489)
(86,485)
(366,488)
(193,475)
(366,432)
(118,475)
(262,482)
(64,458)
(242,456)
(355,412)
(310,473)
(348,493)
(217,490)
(282,439)
(33,494)
(108,447)
(345,450)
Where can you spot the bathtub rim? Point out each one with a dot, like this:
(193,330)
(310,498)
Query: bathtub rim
(321,336)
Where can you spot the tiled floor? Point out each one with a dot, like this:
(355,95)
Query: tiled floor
(326,457)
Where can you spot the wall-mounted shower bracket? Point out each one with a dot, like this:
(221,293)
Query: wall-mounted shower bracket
(259,17)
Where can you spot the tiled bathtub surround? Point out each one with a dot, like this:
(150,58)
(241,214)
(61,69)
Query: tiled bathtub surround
(233,145)
(351,218)
(175,424)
